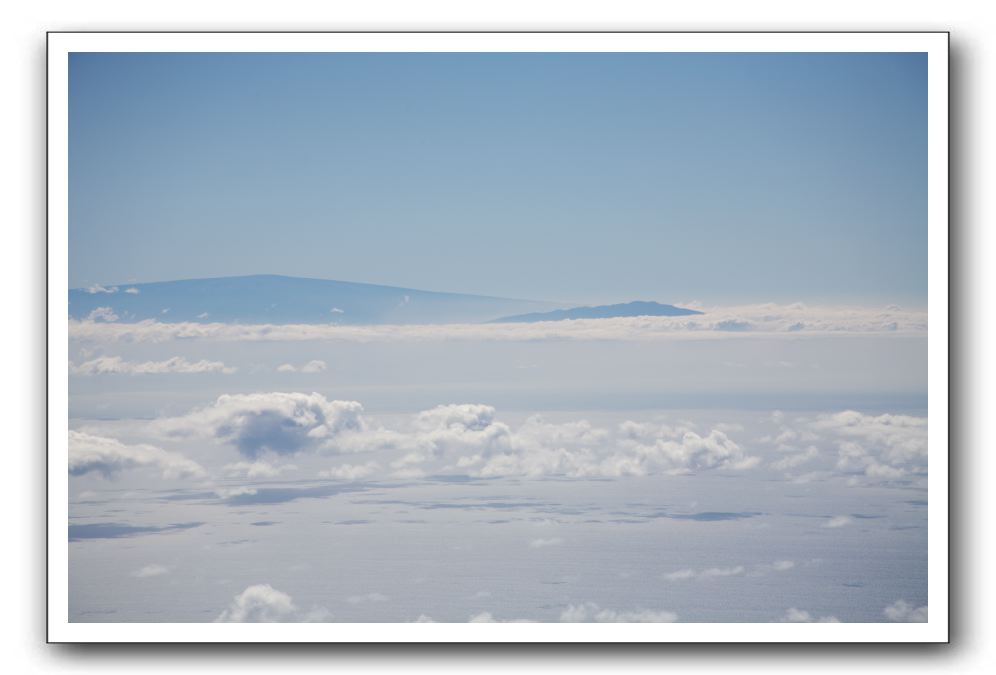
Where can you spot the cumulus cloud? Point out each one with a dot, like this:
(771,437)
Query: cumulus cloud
(718,322)
(115,365)
(483,446)
(108,456)
(589,611)
(863,448)
(886,447)
(903,611)
(793,615)
(464,438)
(543,543)
(282,423)
(264,604)
(150,571)
(315,366)
(132,291)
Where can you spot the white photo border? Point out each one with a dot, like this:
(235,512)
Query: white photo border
(60,44)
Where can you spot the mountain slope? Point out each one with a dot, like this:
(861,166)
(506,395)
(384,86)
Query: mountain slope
(281,299)
(637,308)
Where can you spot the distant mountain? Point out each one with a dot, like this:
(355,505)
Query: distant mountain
(281,299)
(636,308)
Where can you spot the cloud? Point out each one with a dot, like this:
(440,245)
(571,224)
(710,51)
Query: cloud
(257,469)
(97,288)
(367,598)
(796,459)
(717,323)
(590,611)
(282,423)
(543,543)
(578,449)
(315,366)
(108,456)
(737,570)
(467,439)
(881,446)
(150,571)
(712,572)
(132,291)
(105,314)
(838,521)
(264,604)
(486,617)
(903,611)
(115,365)
(350,472)
(793,615)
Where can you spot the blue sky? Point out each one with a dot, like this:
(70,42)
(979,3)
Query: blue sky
(572,177)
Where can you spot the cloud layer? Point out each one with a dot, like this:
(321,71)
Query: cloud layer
(115,365)
(790,320)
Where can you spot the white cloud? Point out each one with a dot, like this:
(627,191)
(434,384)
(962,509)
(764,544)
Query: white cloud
(796,459)
(105,314)
(736,570)
(793,615)
(712,572)
(589,611)
(543,543)
(115,365)
(108,456)
(315,366)
(367,598)
(463,438)
(150,571)
(886,447)
(903,611)
(282,423)
(717,323)
(264,604)
(132,291)
(257,469)
(838,521)
(350,472)
(486,617)
(97,288)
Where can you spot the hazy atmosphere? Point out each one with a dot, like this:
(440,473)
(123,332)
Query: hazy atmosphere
(498,337)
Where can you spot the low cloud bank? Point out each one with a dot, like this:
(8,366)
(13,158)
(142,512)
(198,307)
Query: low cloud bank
(718,322)
(115,365)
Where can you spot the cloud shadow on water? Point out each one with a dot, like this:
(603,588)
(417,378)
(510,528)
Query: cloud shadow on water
(119,530)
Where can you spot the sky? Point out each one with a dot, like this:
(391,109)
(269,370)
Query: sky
(565,177)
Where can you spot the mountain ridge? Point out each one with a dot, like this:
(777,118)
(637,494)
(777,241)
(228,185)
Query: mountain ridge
(626,309)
